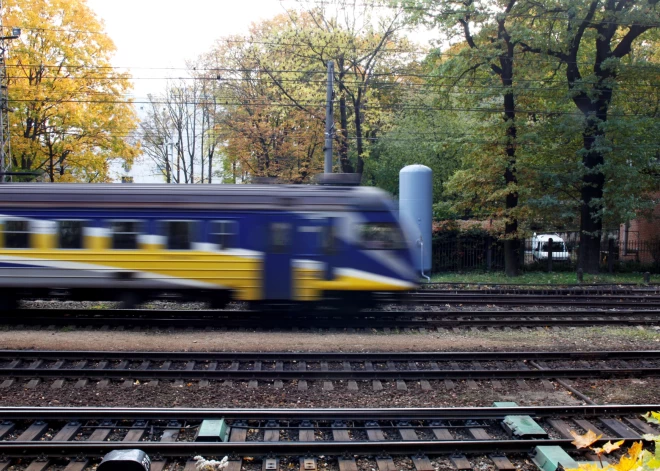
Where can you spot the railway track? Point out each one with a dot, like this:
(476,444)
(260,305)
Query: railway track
(60,366)
(309,439)
(534,299)
(384,320)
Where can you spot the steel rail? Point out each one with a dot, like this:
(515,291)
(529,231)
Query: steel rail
(271,375)
(371,320)
(329,356)
(36,369)
(177,449)
(331,414)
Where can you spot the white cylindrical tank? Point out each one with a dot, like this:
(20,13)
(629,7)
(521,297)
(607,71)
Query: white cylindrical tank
(415,209)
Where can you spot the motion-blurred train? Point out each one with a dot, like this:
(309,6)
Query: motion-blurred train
(264,244)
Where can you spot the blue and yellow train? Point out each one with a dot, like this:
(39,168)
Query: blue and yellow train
(265,244)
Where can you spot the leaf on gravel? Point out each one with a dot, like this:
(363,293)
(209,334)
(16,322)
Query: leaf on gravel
(583,441)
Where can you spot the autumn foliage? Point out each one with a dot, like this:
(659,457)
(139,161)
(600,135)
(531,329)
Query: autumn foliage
(636,459)
(69,115)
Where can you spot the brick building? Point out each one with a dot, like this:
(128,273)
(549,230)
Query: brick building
(639,239)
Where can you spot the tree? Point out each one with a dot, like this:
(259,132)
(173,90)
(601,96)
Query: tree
(264,134)
(485,43)
(365,50)
(594,41)
(70,111)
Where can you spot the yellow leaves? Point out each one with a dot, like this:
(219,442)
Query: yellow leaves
(637,459)
(70,111)
(584,441)
(609,447)
(652,417)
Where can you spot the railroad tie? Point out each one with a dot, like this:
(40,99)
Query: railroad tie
(374,432)
(586,425)
(38,465)
(620,429)
(79,464)
(57,384)
(136,433)
(502,463)
(385,463)
(347,464)
(306,432)
(6,428)
(422,463)
(238,432)
(460,462)
(191,465)
(641,425)
(157,465)
(561,427)
(406,432)
(67,432)
(102,431)
(340,432)
(34,432)
(272,431)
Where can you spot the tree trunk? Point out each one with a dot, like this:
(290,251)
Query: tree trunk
(512,241)
(346,166)
(358,132)
(591,223)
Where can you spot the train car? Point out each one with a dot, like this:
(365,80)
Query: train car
(264,244)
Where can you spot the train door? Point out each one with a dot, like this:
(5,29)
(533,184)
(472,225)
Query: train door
(278,269)
(317,243)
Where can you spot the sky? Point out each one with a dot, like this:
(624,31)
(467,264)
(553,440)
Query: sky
(163,34)
(155,38)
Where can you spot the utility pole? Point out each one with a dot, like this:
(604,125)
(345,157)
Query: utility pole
(329,120)
(5,147)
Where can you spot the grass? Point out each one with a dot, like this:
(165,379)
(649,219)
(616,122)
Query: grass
(538,278)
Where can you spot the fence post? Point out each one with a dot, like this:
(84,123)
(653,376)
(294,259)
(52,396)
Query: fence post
(489,254)
(610,255)
(580,275)
(647,277)
(550,248)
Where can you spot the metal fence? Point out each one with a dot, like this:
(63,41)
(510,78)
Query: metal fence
(486,253)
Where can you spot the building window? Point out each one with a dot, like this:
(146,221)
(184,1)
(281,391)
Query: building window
(224,234)
(70,234)
(179,234)
(280,237)
(17,234)
(125,234)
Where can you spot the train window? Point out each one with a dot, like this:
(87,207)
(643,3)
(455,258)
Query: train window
(125,234)
(70,233)
(17,234)
(224,234)
(381,236)
(280,237)
(179,234)
(328,240)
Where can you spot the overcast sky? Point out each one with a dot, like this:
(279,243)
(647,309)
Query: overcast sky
(152,34)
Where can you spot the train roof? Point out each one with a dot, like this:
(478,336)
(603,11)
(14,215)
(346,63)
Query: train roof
(173,196)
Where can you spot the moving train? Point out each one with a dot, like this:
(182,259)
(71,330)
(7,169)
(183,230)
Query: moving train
(264,244)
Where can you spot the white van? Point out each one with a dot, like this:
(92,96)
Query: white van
(540,244)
